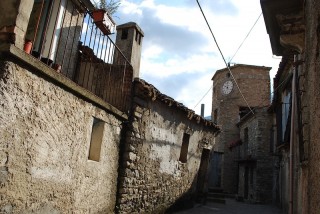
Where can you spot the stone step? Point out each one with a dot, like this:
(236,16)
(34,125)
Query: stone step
(216,200)
(216,190)
(227,195)
(216,195)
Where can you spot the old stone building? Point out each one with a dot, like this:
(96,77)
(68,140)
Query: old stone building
(77,133)
(165,144)
(255,161)
(59,144)
(228,106)
(293,28)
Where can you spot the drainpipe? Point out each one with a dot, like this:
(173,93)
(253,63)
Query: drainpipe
(292,137)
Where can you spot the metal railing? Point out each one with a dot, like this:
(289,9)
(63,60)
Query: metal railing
(65,37)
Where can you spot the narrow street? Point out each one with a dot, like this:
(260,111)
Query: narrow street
(231,207)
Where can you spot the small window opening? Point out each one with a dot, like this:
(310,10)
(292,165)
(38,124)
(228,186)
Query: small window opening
(96,139)
(137,35)
(243,111)
(139,39)
(228,75)
(215,116)
(184,148)
(124,34)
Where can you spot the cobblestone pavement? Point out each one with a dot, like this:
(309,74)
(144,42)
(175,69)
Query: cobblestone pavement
(231,207)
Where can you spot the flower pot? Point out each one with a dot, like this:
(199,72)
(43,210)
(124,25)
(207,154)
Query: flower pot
(27,46)
(98,15)
(103,21)
(57,67)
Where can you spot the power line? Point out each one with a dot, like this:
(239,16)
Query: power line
(203,96)
(233,54)
(274,91)
(227,65)
(246,37)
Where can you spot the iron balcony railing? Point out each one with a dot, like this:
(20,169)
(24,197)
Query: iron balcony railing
(65,37)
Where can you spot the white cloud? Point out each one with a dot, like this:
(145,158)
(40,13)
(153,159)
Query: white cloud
(130,8)
(179,55)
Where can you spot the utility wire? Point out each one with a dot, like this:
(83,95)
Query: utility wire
(203,96)
(227,65)
(246,37)
(233,55)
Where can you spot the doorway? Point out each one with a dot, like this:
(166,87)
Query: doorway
(215,169)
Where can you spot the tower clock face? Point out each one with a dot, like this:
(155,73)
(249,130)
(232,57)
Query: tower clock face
(227,87)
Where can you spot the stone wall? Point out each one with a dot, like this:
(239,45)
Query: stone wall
(256,157)
(254,83)
(45,139)
(153,174)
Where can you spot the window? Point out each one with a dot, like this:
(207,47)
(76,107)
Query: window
(243,111)
(215,116)
(184,148)
(138,37)
(44,27)
(286,105)
(124,34)
(228,75)
(96,139)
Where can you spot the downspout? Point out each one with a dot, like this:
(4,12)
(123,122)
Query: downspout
(292,137)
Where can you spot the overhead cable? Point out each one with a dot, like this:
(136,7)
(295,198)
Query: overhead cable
(245,37)
(227,65)
(203,96)
(233,55)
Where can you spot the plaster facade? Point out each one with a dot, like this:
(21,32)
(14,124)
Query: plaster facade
(46,133)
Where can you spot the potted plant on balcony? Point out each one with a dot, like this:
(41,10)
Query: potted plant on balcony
(102,15)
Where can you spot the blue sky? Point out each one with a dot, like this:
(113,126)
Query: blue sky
(179,56)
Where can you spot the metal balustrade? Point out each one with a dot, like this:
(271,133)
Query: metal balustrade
(65,37)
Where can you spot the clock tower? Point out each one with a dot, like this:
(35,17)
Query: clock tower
(228,106)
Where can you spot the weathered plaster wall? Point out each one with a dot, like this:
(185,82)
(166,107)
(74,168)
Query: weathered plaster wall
(45,137)
(153,178)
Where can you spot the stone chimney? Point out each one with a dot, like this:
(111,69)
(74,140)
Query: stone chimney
(129,40)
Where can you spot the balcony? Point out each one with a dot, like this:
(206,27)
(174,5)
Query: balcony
(63,35)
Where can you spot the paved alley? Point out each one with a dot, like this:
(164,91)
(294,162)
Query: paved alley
(231,207)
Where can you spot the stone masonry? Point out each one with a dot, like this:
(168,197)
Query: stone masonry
(254,83)
(153,176)
(255,185)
